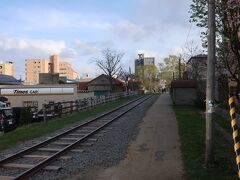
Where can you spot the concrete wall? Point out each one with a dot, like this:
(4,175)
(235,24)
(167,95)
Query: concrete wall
(184,96)
(18,101)
(83,95)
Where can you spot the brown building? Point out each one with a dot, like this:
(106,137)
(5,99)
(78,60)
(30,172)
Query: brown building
(101,85)
(52,65)
(184,92)
(7,68)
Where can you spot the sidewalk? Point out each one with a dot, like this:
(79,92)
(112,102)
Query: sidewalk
(155,154)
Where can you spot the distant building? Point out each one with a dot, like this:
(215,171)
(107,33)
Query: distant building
(197,67)
(101,85)
(53,65)
(7,68)
(142,61)
(8,80)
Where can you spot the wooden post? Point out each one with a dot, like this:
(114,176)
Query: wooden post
(71,107)
(44,113)
(60,109)
(91,102)
(76,105)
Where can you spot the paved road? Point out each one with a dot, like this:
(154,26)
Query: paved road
(155,154)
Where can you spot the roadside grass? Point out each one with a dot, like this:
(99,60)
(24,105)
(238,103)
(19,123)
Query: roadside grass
(192,134)
(224,123)
(38,129)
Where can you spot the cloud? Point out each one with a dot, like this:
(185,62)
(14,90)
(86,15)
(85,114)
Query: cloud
(18,49)
(92,48)
(69,53)
(87,48)
(49,46)
(128,30)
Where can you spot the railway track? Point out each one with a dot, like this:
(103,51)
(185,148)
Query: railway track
(43,154)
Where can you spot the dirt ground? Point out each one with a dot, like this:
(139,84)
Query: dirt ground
(154,155)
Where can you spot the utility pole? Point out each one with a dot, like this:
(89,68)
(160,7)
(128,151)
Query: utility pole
(211,59)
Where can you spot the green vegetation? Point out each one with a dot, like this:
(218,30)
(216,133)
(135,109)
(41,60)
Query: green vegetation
(192,135)
(147,76)
(34,130)
(169,67)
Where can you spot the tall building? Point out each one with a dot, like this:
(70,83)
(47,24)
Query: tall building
(142,61)
(52,65)
(7,68)
(66,70)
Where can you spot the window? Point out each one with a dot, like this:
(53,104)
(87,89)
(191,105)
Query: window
(30,103)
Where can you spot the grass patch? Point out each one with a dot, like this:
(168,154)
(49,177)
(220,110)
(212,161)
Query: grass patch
(224,123)
(34,130)
(192,134)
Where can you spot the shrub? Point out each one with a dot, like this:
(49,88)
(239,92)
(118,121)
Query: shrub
(25,116)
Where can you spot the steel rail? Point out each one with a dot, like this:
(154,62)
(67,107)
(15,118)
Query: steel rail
(43,143)
(48,141)
(41,165)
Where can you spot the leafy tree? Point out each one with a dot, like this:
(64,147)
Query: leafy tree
(227,30)
(169,68)
(147,76)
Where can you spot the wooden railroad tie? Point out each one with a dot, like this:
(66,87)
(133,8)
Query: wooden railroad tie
(28,166)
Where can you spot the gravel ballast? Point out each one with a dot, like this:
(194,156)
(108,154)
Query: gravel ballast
(110,148)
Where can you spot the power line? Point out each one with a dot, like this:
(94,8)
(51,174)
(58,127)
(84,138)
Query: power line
(188,34)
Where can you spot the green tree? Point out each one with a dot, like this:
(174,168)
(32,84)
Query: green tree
(147,76)
(169,68)
(227,30)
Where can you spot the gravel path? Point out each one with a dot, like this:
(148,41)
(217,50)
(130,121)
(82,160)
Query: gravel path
(110,148)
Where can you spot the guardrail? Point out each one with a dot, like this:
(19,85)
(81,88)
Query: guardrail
(68,107)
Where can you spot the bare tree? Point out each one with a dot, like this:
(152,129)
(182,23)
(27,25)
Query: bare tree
(110,63)
(190,49)
(126,76)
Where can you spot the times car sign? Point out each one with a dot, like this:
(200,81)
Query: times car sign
(36,91)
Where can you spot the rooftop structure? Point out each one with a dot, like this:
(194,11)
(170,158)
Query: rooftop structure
(33,67)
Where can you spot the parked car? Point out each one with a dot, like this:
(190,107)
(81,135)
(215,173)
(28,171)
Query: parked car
(7,120)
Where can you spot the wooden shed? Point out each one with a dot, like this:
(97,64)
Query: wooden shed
(184,92)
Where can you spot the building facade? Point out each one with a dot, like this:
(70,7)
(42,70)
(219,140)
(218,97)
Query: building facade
(7,68)
(197,67)
(37,95)
(66,70)
(33,67)
(101,85)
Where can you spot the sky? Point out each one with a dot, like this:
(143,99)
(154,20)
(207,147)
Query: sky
(78,30)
